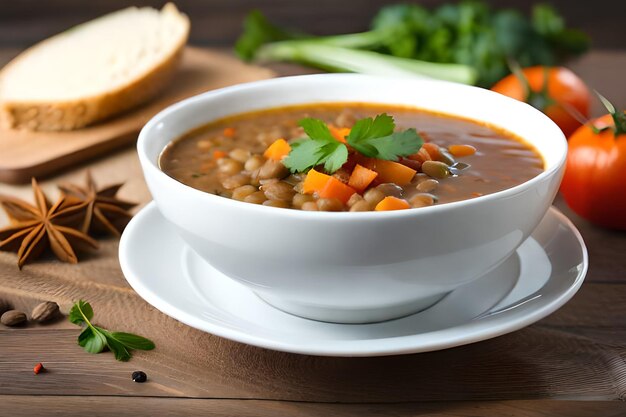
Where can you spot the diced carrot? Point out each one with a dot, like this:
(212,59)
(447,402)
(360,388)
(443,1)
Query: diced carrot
(461,150)
(392,203)
(314,181)
(389,171)
(336,189)
(229,132)
(433,151)
(219,154)
(339,133)
(421,156)
(277,150)
(361,178)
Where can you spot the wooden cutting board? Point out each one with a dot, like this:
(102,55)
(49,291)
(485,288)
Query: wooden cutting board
(25,154)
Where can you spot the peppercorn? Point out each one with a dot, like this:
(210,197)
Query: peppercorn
(38,368)
(139,376)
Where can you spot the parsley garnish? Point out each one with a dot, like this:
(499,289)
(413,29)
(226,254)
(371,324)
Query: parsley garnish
(374,138)
(95,339)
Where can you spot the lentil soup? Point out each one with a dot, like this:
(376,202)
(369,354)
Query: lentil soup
(244,157)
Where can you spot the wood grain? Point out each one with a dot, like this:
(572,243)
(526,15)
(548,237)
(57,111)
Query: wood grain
(75,406)
(578,353)
(25,154)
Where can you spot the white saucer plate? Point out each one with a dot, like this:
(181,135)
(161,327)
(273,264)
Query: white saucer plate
(543,274)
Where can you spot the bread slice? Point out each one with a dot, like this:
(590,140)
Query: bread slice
(93,71)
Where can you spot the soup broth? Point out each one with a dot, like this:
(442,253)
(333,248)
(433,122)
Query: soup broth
(229,158)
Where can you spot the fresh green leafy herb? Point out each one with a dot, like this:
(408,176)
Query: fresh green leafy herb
(468,42)
(374,138)
(95,339)
(319,148)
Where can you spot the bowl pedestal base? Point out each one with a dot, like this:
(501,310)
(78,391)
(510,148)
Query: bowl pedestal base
(350,316)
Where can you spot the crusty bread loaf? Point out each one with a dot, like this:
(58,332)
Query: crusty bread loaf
(93,71)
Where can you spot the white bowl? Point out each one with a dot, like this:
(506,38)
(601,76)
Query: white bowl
(354,267)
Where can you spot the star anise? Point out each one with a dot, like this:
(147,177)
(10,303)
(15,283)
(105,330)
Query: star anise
(35,227)
(104,211)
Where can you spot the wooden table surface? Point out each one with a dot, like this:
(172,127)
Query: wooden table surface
(572,363)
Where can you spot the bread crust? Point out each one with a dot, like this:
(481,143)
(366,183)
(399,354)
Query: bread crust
(77,113)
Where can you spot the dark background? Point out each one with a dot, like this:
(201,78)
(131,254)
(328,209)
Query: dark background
(218,22)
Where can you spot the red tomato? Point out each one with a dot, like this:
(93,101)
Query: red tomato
(564,89)
(594,185)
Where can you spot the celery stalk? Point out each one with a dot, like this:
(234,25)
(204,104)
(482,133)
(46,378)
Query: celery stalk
(339,59)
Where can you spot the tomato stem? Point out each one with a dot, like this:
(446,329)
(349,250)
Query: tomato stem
(541,99)
(619,117)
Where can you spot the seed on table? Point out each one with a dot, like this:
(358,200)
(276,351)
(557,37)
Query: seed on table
(229,166)
(461,150)
(242,192)
(361,206)
(427,186)
(374,196)
(13,318)
(310,206)
(436,169)
(299,199)
(37,369)
(45,311)
(422,200)
(235,181)
(254,162)
(139,376)
(278,191)
(329,204)
(255,198)
(240,155)
(276,203)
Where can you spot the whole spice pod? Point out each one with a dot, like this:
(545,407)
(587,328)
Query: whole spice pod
(13,318)
(45,311)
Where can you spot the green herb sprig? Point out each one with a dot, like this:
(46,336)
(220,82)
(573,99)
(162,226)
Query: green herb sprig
(95,339)
(374,138)
(467,42)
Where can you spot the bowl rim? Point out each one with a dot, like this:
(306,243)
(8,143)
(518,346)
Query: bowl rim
(152,166)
